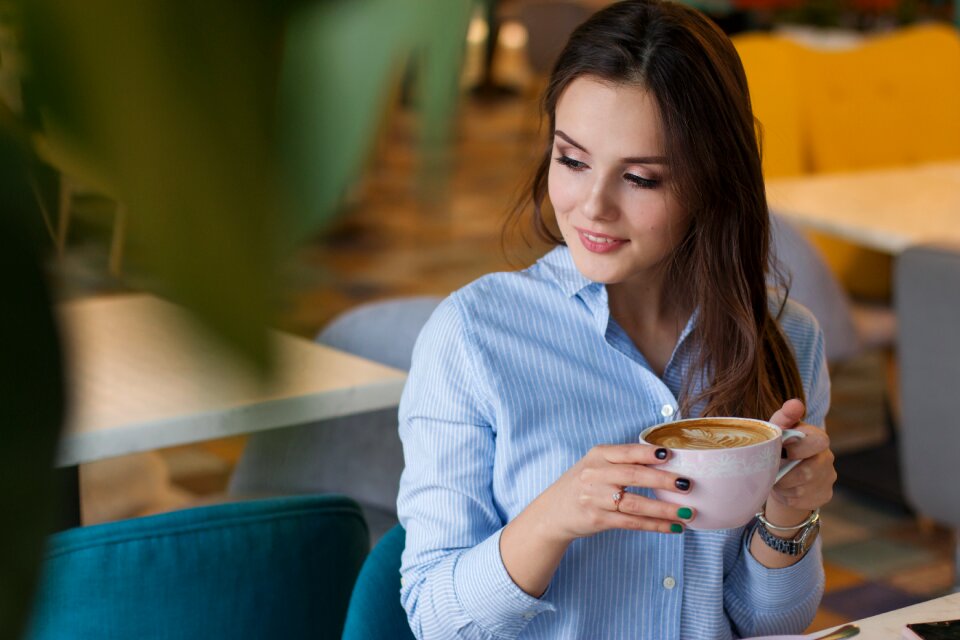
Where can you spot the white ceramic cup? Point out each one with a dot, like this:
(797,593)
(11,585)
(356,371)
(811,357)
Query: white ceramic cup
(729,485)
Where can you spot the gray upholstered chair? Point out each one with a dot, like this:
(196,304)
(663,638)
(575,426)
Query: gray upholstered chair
(849,327)
(359,456)
(813,285)
(927,300)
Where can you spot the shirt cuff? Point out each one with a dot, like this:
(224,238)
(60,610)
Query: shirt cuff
(489,595)
(777,589)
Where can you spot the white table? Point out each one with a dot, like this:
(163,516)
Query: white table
(141,379)
(889,626)
(888,210)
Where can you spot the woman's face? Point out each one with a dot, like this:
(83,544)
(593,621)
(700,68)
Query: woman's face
(609,182)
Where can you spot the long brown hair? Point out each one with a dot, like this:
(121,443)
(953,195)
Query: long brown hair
(696,77)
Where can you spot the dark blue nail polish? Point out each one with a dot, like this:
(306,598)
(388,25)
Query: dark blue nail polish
(682,483)
(661,454)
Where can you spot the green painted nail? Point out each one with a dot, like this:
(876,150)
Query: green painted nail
(684,513)
(676,528)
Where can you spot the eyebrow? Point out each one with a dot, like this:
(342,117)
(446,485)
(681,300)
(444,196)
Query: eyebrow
(634,160)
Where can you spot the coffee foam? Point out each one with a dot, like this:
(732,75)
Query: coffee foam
(721,435)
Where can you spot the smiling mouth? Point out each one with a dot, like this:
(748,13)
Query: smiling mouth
(599,243)
(602,239)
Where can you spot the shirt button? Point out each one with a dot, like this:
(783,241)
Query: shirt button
(669,582)
(529,615)
(667,410)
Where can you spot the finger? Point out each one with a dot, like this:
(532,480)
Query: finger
(789,414)
(635,505)
(816,471)
(816,441)
(641,523)
(799,475)
(804,497)
(638,475)
(633,453)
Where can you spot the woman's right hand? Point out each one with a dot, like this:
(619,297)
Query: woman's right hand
(581,502)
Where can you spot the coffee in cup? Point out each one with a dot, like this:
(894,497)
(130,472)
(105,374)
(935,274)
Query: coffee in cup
(732,464)
(718,433)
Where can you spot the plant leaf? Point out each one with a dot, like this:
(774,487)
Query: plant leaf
(31,393)
(229,130)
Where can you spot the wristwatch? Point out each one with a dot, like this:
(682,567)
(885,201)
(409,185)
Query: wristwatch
(799,544)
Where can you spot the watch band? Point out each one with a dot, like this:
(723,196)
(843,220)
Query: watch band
(800,543)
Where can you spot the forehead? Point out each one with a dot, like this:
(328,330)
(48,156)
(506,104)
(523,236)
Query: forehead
(617,119)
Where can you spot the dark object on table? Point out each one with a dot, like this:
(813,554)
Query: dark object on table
(943,630)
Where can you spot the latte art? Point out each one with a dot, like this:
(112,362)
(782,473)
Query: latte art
(709,436)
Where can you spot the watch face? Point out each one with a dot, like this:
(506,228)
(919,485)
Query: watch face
(808,536)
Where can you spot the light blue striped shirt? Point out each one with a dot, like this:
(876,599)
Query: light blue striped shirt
(514,378)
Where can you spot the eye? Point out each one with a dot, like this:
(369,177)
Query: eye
(570,163)
(641,183)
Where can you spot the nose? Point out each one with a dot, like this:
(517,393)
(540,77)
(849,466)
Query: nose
(599,203)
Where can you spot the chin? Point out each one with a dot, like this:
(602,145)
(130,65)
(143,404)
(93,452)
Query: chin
(590,270)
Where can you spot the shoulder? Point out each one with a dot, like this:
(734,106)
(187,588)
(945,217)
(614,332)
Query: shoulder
(493,300)
(796,321)
(506,298)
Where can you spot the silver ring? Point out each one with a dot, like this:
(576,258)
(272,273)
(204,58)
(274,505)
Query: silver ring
(617,496)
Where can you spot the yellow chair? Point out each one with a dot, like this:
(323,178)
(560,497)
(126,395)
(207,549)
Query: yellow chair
(771,64)
(894,100)
(774,67)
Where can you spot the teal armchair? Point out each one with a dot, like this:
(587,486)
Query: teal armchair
(277,568)
(375,611)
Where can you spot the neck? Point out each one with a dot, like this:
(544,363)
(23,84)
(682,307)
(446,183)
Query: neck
(645,306)
(652,320)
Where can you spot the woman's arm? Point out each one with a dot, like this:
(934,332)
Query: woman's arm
(453,582)
(767,592)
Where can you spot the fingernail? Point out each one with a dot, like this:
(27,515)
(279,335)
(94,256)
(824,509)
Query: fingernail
(783,453)
(676,528)
(661,454)
(684,513)
(682,483)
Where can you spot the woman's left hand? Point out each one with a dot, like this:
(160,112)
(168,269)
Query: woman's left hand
(809,485)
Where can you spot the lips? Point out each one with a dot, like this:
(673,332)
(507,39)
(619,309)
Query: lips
(599,242)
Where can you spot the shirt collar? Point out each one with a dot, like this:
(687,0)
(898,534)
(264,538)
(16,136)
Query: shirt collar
(558,264)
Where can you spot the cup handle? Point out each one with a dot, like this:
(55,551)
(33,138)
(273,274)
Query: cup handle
(785,436)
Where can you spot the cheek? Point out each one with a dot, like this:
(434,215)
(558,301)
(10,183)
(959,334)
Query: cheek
(562,192)
(671,221)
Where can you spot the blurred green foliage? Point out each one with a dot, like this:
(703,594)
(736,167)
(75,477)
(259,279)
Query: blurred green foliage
(230,129)
(32,394)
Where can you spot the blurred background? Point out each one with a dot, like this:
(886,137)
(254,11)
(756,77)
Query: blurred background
(398,230)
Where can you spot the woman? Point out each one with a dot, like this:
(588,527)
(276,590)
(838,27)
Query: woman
(526,500)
